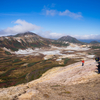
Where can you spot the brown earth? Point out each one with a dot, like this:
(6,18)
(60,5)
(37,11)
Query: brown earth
(72,82)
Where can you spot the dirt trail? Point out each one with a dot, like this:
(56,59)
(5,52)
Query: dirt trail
(72,74)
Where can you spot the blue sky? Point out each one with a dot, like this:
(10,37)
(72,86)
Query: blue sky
(51,18)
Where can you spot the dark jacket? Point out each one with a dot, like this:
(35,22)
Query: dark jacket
(98,66)
(97,58)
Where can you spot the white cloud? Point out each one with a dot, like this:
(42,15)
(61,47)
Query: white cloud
(47,11)
(70,14)
(55,35)
(50,35)
(91,36)
(51,12)
(22,26)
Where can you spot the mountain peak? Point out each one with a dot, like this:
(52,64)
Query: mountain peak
(25,33)
(69,39)
(93,42)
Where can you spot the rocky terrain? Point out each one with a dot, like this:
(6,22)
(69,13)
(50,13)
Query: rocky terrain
(72,82)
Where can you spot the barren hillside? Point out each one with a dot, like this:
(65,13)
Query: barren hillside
(72,82)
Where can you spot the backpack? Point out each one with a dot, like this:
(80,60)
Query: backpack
(97,58)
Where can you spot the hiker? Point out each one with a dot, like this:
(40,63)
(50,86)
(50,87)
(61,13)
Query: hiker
(97,59)
(98,67)
(82,62)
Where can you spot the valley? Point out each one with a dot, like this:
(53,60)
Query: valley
(22,66)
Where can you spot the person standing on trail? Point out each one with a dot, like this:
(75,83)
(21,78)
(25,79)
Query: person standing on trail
(82,62)
(98,67)
(97,59)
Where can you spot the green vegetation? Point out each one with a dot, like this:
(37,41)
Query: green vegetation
(8,53)
(12,44)
(66,60)
(97,53)
(16,60)
(31,64)
(89,53)
(66,92)
(6,73)
(19,63)
(59,43)
(95,47)
(16,70)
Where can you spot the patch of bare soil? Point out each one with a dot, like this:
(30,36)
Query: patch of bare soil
(82,91)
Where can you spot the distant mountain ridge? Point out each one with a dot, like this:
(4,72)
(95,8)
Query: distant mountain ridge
(69,39)
(27,40)
(88,40)
(93,42)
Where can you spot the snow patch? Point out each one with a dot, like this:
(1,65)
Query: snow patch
(71,47)
(55,52)
(19,41)
(58,59)
(68,56)
(6,37)
(69,51)
(7,49)
(90,56)
(76,47)
(27,51)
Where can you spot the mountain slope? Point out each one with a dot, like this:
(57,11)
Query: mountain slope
(72,82)
(27,40)
(23,41)
(69,39)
